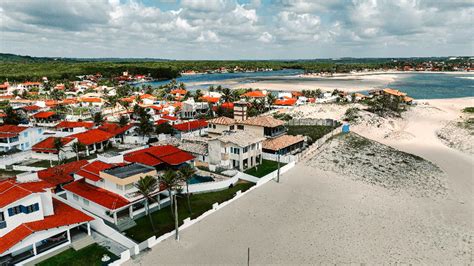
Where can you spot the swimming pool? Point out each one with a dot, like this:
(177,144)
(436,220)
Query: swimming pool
(196,179)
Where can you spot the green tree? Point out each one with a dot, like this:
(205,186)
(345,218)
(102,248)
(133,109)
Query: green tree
(171,180)
(77,147)
(146,186)
(164,128)
(12,117)
(98,118)
(123,121)
(58,146)
(186,172)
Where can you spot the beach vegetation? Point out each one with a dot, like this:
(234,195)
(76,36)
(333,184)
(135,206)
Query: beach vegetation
(165,219)
(146,186)
(468,110)
(313,132)
(385,105)
(351,114)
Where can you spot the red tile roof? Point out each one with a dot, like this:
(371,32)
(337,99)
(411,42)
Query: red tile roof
(157,155)
(61,174)
(47,145)
(91,100)
(178,91)
(210,99)
(74,124)
(114,129)
(92,136)
(98,195)
(285,102)
(168,117)
(44,114)
(11,191)
(228,105)
(254,94)
(30,108)
(11,130)
(191,125)
(91,170)
(64,215)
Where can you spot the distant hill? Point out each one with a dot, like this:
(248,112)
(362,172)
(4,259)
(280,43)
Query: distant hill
(32,59)
(29,59)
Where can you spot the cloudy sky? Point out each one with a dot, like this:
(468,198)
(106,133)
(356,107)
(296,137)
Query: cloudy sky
(237,29)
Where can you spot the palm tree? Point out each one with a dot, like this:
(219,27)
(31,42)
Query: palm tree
(77,147)
(146,186)
(98,118)
(123,121)
(58,146)
(270,99)
(186,173)
(171,180)
(226,95)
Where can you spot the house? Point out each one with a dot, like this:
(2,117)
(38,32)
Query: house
(178,94)
(263,126)
(256,94)
(94,140)
(74,126)
(148,99)
(117,131)
(33,223)
(60,175)
(108,191)
(45,150)
(190,109)
(161,157)
(285,144)
(91,101)
(240,150)
(219,125)
(19,137)
(195,127)
(46,119)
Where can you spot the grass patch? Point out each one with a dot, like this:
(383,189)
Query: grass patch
(163,220)
(356,141)
(90,255)
(313,132)
(264,169)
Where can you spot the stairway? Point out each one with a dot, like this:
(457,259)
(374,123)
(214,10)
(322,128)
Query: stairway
(125,223)
(82,242)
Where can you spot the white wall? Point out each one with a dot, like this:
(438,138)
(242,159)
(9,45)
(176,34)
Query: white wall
(20,218)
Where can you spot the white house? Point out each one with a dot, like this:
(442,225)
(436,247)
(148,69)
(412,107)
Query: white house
(19,137)
(33,223)
(240,150)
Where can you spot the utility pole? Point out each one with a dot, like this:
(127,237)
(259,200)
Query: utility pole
(248,257)
(278,172)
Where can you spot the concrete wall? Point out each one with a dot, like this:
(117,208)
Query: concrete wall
(212,186)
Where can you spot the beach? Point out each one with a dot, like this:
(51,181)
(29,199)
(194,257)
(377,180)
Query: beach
(318,216)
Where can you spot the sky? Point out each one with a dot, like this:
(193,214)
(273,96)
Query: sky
(237,29)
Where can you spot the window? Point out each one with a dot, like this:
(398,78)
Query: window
(23,209)
(214,126)
(75,197)
(2,217)
(119,187)
(14,210)
(232,127)
(240,127)
(245,150)
(129,186)
(234,150)
(86,202)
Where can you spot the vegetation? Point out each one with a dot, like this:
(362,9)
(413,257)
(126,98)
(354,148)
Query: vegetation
(171,180)
(146,186)
(264,168)
(165,220)
(468,110)
(186,173)
(385,105)
(77,147)
(90,255)
(284,117)
(312,132)
(351,114)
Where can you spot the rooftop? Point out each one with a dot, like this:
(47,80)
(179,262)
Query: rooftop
(241,138)
(281,142)
(128,170)
(11,191)
(223,120)
(263,121)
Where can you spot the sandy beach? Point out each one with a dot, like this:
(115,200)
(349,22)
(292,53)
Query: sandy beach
(316,216)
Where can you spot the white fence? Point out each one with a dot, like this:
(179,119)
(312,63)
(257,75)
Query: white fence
(213,186)
(124,257)
(27,168)
(283,158)
(311,151)
(14,158)
(313,122)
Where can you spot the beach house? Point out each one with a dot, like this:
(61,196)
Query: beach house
(19,137)
(33,223)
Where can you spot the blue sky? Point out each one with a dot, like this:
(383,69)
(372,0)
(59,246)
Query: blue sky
(236,29)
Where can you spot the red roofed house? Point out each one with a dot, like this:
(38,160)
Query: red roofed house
(94,140)
(117,131)
(74,126)
(19,137)
(195,127)
(160,157)
(46,150)
(46,119)
(254,94)
(33,223)
(108,190)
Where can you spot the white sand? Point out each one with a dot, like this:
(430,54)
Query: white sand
(319,217)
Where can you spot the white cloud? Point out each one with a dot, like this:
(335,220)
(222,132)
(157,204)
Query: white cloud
(266,37)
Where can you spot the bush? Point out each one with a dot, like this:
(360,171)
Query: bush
(351,114)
